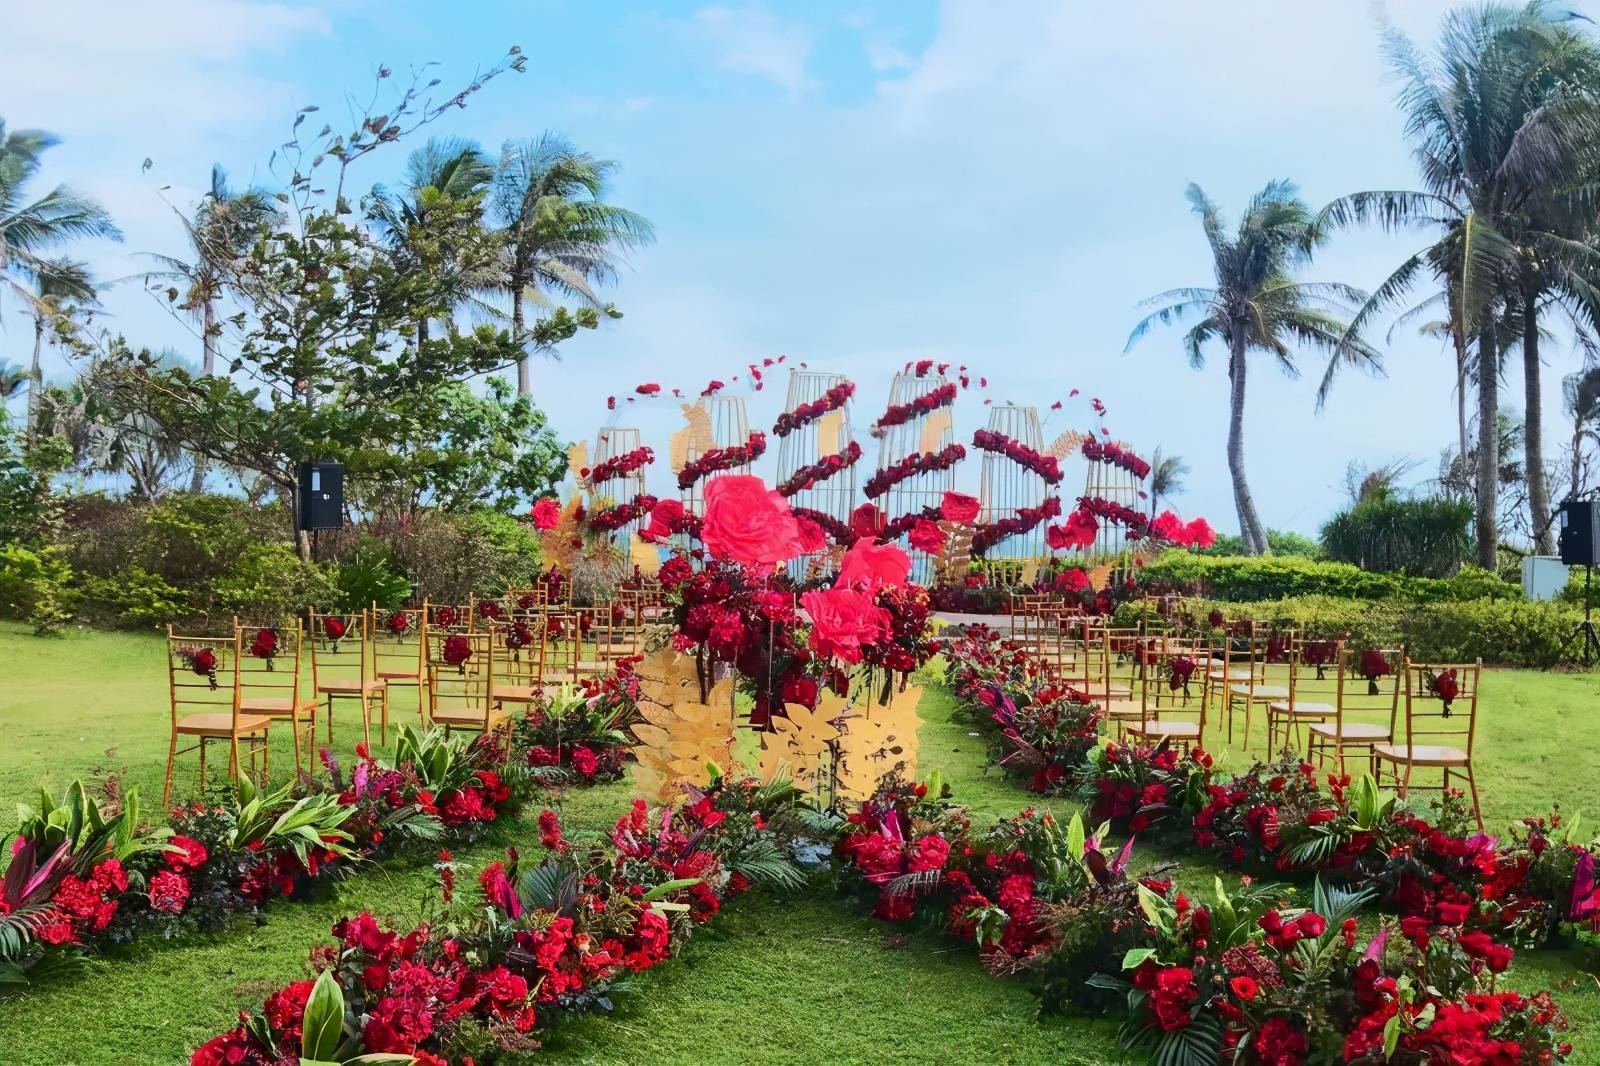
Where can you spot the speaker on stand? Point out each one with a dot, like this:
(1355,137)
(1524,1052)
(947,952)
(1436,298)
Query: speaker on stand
(1580,546)
(319,503)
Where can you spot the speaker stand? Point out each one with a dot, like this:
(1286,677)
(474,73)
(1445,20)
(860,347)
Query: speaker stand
(1585,633)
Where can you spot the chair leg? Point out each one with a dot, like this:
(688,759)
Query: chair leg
(366,721)
(294,736)
(202,767)
(383,728)
(1472,785)
(1405,782)
(330,719)
(172,761)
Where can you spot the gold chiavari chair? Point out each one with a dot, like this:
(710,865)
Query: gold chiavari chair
(1169,709)
(1250,657)
(461,683)
(1314,694)
(269,683)
(448,617)
(488,610)
(342,668)
(1441,726)
(562,647)
(399,640)
(1368,707)
(203,683)
(518,648)
(598,643)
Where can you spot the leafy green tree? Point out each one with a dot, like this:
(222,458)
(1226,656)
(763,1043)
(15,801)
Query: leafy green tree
(1257,306)
(561,234)
(1503,118)
(30,227)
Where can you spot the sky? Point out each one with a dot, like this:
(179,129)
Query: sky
(995,183)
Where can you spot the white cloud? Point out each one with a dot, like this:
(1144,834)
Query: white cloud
(753,41)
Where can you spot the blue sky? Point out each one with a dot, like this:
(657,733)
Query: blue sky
(853,184)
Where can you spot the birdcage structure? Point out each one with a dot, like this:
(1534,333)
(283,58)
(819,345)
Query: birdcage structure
(925,433)
(1007,487)
(609,443)
(1116,484)
(714,422)
(811,443)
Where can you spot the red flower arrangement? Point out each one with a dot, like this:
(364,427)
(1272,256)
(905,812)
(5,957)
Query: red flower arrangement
(991,533)
(1077,532)
(1045,466)
(748,523)
(202,662)
(399,622)
(960,508)
(814,474)
(901,413)
(611,519)
(715,459)
(457,650)
(620,465)
(1136,522)
(910,466)
(806,413)
(546,513)
(265,645)
(1115,454)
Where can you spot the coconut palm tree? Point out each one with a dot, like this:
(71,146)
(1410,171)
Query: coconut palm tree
(1166,477)
(225,223)
(445,169)
(561,234)
(1257,306)
(1502,117)
(30,227)
(1581,395)
(62,290)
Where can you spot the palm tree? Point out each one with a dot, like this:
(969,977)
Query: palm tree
(1258,306)
(28,227)
(1581,393)
(62,290)
(445,169)
(561,235)
(224,224)
(1501,118)
(1166,477)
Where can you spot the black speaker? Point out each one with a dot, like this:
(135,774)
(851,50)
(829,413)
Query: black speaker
(1580,534)
(321,496)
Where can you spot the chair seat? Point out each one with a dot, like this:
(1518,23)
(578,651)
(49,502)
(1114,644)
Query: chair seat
(1121,709)
(1303,708)
(397,675)
(1359,731)
(274,706)
(1229,675)
(1421,754)
(1167,728)
(1107,694)
(1260,692)
(350,688)
(516,693)
(467,718)
(220,724)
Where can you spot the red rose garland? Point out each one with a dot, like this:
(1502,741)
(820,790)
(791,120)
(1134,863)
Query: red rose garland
(1116,455)
(837,531)
(821,470)
(901,413)
(1046,466)
(989,534)
(709,462)
(807,413)
(1137,522)
(912,465)
(903,525)
(610,519)
(619,465)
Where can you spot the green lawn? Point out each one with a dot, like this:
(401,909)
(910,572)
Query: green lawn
(772,980)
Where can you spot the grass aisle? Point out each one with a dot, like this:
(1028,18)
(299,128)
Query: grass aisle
(810,980)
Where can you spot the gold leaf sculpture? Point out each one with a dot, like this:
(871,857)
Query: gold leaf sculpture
(1065,444)
(680,733)
(578,459)
(951,565)
(934,427)
(799,747)
(874,740)
(647,557)
(695,438)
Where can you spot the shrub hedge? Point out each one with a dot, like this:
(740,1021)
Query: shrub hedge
(1248,578)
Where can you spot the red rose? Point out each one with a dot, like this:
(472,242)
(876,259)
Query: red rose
(748,523)
(872,566)
(457,650)
(333,627)
(926,536)
(546,513)
(866,520)
(842,620)
(959,507)
(811,537)
(1244,987)
(664,518)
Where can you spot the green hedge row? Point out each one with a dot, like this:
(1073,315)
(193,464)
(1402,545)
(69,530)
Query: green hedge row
(1244,578)
(1501,632)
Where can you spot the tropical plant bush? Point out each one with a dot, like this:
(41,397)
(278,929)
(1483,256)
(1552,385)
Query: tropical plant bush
(1250,578)
(1425,538)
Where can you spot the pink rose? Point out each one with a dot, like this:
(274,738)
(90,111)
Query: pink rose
(748,523)
(546,513)
(843,620)
(873,566)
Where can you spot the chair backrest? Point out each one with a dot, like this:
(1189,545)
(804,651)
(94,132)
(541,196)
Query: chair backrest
(461,672)
(340,646)
(398,639)
(269,661)
(203,676)
(1316,672)
(1171,683)
(1442,704)
(1372,682)
(562,647)
(519,648)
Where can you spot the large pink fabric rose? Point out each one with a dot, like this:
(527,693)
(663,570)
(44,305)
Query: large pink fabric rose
(748,523)
(843,620)
(663,517)
(873,566)
(546,513)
